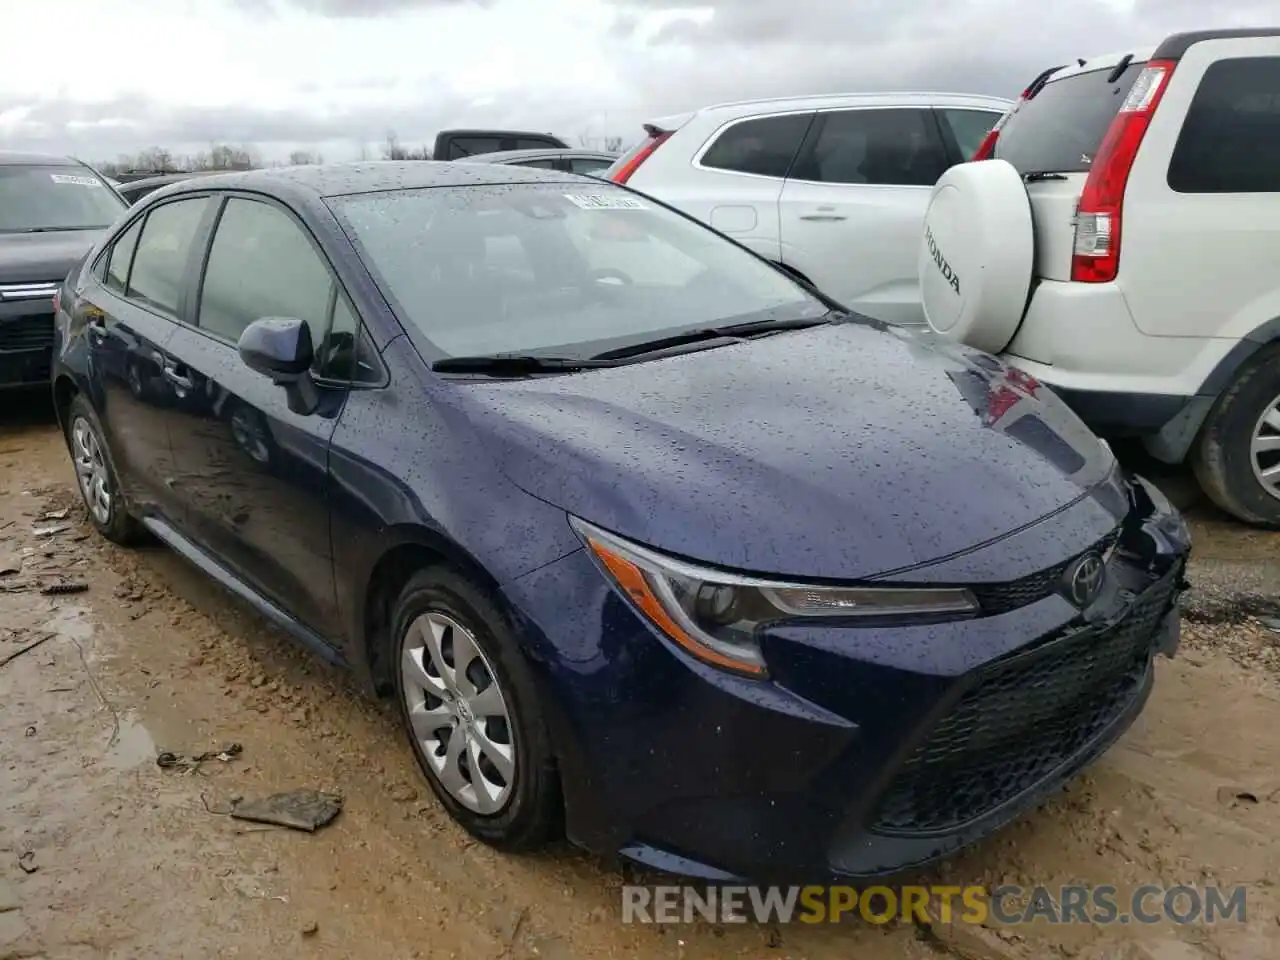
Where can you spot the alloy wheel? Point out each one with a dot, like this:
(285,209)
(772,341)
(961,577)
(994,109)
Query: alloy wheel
(1264,449)
(458,713)
(91,470)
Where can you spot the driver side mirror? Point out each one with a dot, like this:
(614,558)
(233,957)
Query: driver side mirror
(280,349)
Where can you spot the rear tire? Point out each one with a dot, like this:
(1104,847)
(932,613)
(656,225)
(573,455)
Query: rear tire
(500,783)
(96,476)
(1224,459)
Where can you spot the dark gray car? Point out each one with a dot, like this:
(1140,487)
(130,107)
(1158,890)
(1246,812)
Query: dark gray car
(52,209)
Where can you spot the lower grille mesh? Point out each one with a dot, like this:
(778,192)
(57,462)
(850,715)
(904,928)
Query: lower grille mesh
(1022,720)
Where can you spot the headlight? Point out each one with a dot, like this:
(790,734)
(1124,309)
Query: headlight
(716,615)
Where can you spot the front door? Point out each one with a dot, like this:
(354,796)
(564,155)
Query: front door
(255,473)
(130,310)
(853,207)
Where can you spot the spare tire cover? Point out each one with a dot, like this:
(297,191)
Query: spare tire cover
(976,254)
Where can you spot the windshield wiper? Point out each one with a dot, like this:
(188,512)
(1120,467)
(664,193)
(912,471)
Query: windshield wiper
(515,364)
(730,331)
(1037,175)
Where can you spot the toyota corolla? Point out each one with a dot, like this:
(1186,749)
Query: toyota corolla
(651,544)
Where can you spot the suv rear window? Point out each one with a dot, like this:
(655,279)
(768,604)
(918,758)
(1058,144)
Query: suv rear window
(38,198)
(1060,129)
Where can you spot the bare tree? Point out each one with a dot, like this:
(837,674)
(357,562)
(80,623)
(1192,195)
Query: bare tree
(301,158)
(393,150)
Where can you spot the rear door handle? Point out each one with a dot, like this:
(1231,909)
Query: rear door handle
(823,217)
(176,374)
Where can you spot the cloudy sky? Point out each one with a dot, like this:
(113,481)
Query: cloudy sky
(100,78)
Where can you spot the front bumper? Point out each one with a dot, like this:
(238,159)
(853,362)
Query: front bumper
(869,751)
(26,345)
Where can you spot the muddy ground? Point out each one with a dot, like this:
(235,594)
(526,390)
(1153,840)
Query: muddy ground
(104,854)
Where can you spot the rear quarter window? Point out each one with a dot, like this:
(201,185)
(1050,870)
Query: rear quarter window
(1061,128)
(1230,139)
(765,146)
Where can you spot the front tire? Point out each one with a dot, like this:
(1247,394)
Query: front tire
(468,704)
(96,476)
(1237,456)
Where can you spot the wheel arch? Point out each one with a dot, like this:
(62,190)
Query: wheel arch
(413,549)
(64,392)
(1176,439)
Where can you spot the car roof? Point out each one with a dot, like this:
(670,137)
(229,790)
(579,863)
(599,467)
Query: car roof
(370,176)
(14,157)
(512,156)
(835,100)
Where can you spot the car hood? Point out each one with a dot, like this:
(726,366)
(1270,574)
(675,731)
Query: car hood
(41,257)
(839,452)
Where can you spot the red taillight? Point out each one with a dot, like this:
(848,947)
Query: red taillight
(1096,258)
(988,145)
(656,139)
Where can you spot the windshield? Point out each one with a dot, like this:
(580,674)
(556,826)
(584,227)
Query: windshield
(565,269)
(1060,129)
(38,198)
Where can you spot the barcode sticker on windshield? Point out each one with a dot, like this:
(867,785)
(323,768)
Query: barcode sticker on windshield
(598,201)
(68,178)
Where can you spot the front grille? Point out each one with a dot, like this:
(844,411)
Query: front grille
(27,333)
(1023,720)
(1003,597)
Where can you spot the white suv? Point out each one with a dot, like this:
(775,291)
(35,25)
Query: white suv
(832,188)
(1123,246)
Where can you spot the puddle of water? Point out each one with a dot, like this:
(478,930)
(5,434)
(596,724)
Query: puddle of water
(134,746)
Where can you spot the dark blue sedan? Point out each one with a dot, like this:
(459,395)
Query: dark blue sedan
(651,543)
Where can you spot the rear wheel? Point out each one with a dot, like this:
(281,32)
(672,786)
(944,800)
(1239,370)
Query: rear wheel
(96,476)
(1237,457)
(469,706)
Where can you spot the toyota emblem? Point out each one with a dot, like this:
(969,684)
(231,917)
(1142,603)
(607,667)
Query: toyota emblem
(1085,578)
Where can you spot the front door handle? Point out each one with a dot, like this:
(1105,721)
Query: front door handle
(823,217)
(176,374)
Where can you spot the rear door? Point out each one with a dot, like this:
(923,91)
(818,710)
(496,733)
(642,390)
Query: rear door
(255,472)
(740,172)
(853,206)
(131,313)
(1052,139)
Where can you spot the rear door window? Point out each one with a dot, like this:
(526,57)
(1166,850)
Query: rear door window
(764,146)
(1230,140)
(164,250)
(968,128)
(589,164)
(1060,129)
(894,147)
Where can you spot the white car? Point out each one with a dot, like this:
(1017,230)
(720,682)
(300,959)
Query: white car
(833,188)
(1122,245)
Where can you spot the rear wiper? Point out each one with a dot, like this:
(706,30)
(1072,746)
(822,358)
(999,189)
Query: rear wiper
(730,331)
(1120,68)
(1037,175)
(514,364)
